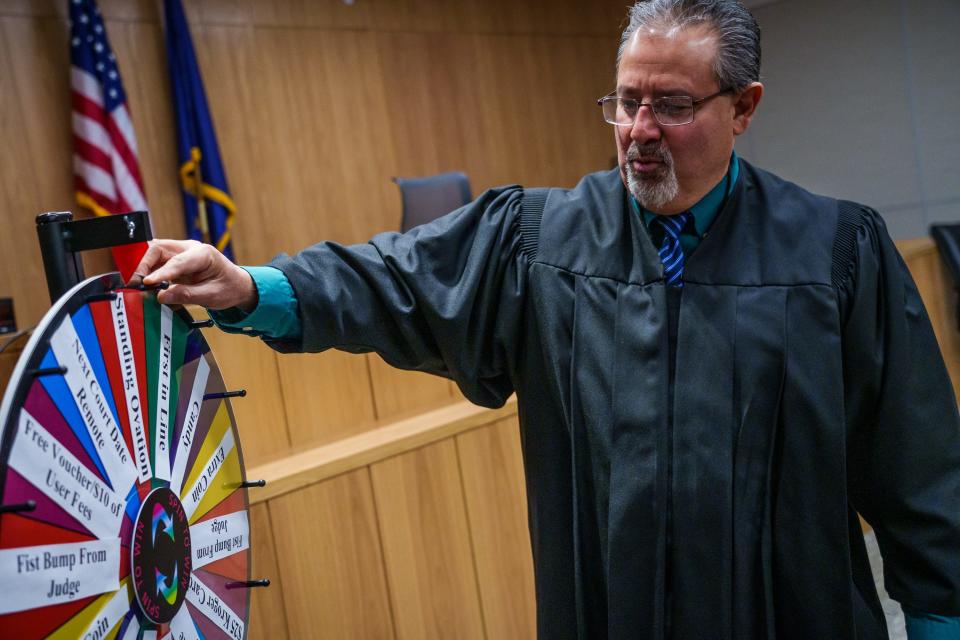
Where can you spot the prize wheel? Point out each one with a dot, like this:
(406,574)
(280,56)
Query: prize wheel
(124,504)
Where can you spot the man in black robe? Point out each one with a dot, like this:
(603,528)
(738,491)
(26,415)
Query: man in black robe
(716,370)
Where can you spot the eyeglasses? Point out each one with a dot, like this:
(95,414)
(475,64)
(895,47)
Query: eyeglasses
(670,111)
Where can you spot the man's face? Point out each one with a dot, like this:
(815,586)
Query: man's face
(668,169)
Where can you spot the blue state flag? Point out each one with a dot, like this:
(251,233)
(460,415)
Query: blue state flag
(207,204)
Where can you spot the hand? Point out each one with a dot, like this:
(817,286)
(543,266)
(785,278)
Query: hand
(198,274)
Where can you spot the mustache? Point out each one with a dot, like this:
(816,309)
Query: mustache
(654,151)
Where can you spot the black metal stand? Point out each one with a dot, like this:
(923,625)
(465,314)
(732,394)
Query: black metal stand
(62,239)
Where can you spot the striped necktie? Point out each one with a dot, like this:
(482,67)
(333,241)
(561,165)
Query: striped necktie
(671,252)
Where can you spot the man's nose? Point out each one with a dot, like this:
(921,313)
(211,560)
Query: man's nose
(645,127)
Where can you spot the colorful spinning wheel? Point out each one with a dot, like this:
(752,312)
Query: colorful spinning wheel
(124,504)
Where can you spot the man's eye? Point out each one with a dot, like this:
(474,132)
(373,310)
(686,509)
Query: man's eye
(671,107)
(628,107)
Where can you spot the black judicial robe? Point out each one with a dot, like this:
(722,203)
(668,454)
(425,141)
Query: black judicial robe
(694,461)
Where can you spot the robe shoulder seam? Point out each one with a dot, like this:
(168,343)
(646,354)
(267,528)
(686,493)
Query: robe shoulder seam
(531,213)
(849,222)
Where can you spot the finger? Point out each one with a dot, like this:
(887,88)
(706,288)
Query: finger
(170,295)
(150,260)
(183,267)
(207,295)
(135,281)
(158,253)
(178,294)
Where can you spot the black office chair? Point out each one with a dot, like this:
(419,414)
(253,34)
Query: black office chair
(426,199)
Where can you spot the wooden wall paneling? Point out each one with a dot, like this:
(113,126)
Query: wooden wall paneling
(413,15)
(528,17)
(574,17)
(397,392)
(578,72)
(363,151)
(331,566)
(327,396)
(328,14)
(542,123)
(193,9)
(267,618)
(247,104)
(130,11)
(504,118)
(332,14)
(515,116)
(423,103)
(247,363)
(498,16)
(533,100)
(339,146)
(437,98)
(241,96)
(42,87)
(483,16)
(224,12)
(21,188)
(314,132)
(35,8)
(426,544)
(534,141)
(491,464)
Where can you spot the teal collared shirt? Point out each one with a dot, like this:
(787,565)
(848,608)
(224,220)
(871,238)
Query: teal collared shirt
(704,211)
(924,626)
(277,314)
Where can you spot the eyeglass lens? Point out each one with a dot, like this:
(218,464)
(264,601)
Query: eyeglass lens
(671,110)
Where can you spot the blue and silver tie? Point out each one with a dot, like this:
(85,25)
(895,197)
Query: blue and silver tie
(671,252)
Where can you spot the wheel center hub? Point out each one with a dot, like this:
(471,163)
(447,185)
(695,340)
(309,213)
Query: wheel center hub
(160,556)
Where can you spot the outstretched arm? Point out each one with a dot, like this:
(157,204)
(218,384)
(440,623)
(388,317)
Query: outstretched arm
(445,298)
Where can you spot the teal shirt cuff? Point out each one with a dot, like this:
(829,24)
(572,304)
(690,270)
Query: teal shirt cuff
(276,315)
(924,626)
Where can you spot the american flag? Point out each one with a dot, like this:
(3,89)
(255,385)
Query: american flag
(105,148)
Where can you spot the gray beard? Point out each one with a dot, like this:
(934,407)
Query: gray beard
(651,192)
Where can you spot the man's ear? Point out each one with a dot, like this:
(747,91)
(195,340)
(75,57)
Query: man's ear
(745,106)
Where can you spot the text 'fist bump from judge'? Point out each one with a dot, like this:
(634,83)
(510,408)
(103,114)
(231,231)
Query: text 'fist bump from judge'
(198,274)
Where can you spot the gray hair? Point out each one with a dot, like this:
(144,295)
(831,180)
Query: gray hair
(738,34)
